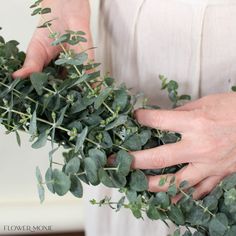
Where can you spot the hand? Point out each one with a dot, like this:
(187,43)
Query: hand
(70,14)
(208,144)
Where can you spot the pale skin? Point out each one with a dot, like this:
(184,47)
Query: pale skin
(207,125)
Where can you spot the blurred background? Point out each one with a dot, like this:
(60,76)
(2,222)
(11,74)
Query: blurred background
(19,203)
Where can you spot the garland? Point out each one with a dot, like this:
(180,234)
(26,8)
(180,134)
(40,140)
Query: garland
(92,124)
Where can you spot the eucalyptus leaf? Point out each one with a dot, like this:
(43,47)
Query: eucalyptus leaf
(39,80)
(119,121)
(73,166)
(61,182)
(124,160)
(91,171)
(41,193)
(49,180)
(98,156)
(102,97)
(81,138)
(76,187)
(138,181)
(41,141)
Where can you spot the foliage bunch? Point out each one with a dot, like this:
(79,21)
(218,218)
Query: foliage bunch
(93,123)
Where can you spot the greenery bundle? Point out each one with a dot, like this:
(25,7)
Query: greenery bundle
(93,123)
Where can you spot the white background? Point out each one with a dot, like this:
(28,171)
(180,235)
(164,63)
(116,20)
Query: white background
(19,203)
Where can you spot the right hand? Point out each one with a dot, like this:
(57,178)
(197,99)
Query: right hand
(71,15)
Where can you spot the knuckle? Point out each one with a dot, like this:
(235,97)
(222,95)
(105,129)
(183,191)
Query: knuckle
(200,122)
(157,121)
(158,160)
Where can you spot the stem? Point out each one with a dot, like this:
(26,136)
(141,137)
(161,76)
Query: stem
(197,203)
(57,163)
(30,99)
(75,67)
(47,122)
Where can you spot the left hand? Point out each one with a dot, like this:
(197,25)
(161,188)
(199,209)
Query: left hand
(208,144)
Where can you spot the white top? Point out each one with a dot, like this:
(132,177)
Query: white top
(190,41)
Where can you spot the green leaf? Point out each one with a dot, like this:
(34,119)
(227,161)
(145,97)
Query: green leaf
(131,195)
(124,160)
(61,183)
(177,232)
(62,115)
(76,187)
(184,184)
(36,11)
(102,97)
(33,124)
(45,11)
(187,233)
(105,178)
(233,88)
(172,85)
(118,180)
(120,99)
(49,180)
(210,202)
(109,81)
(138,181)
(185,97)
(98,156)
(230,197)
(144,136)
(218,225)
(229,182)
(162,199)
(91,171)
(39,80)
(176,215)
(41,141)
(79,59)
(172,190)
(37,3)
(9,88)
(121,119)
(153,213)
(120,203)
(70,83)
(41,193)
(38,175)
(133,143)
(17,138)
(136,210)
(73,166)
(45,24)
(231,231)
(62,39)
(162,181)
(81,138)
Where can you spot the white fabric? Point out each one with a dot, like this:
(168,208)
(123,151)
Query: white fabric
(190,41)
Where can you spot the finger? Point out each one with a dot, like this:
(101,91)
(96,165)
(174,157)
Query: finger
(162,156)
(193,175)
(39,54)
(206,186)
(171,120)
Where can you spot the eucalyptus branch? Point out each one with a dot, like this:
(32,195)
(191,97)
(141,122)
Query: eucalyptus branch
(91,124)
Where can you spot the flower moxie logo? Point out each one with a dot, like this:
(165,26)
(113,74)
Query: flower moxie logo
(27,228)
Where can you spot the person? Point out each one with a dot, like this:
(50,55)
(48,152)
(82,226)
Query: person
(190,41)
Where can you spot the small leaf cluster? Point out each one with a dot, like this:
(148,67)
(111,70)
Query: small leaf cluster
(93,123)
